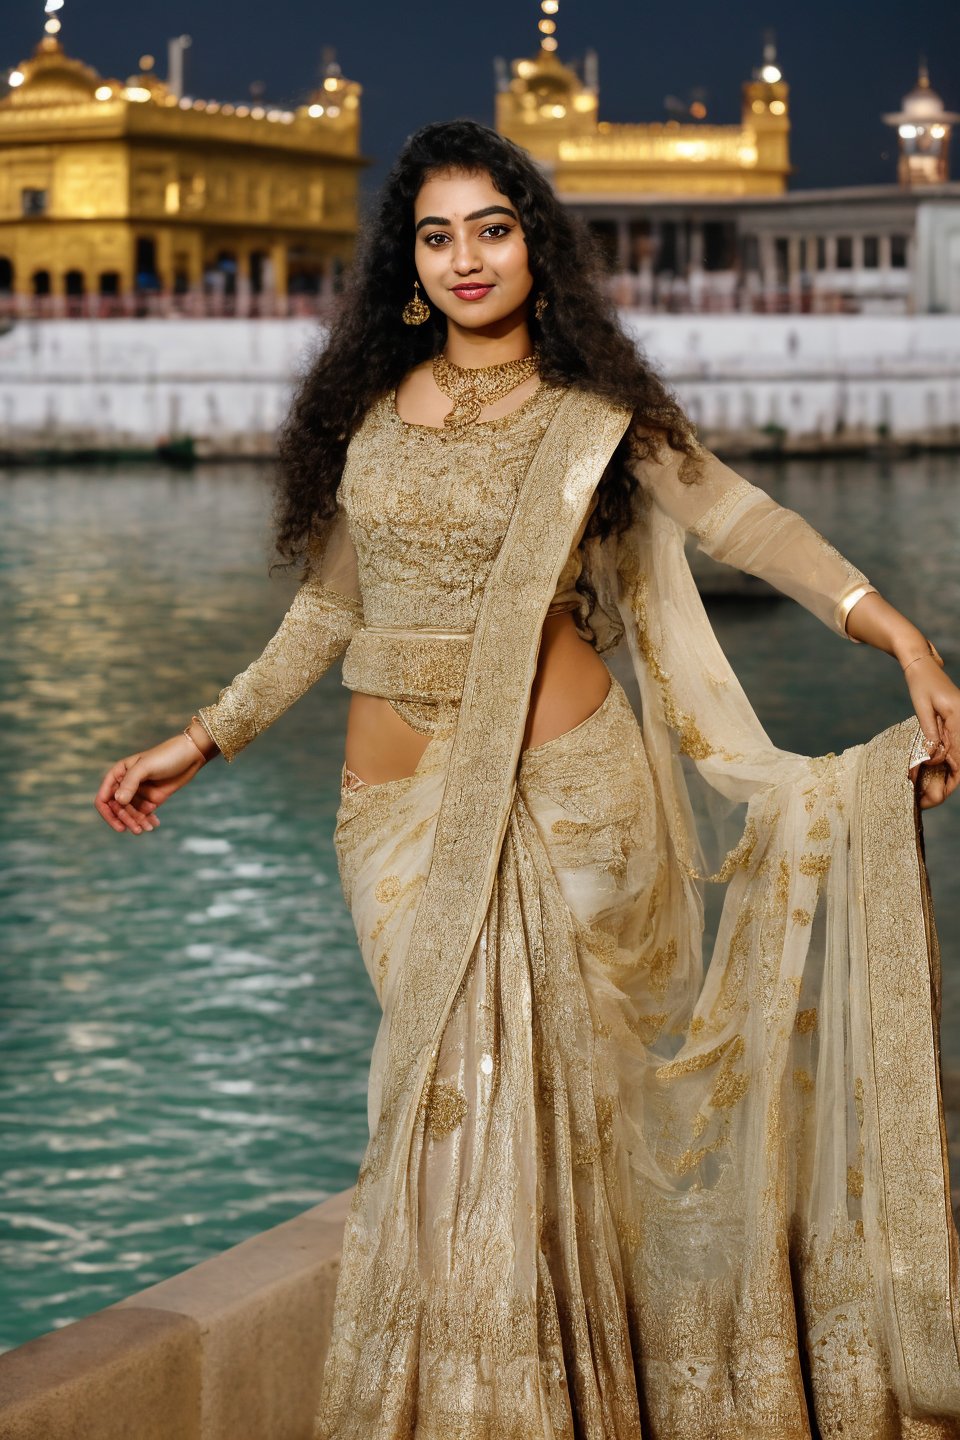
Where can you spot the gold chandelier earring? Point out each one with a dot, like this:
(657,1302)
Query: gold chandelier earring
(540,305)
(416,310)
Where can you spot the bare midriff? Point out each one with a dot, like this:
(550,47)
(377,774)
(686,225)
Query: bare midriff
(571,682)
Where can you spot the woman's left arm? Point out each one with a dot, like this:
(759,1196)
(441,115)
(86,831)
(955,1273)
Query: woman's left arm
(739,524)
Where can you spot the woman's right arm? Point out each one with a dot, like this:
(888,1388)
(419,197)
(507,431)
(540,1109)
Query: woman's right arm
(313,634)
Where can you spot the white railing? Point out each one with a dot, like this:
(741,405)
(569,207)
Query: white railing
(162,305)
(698,294)
(727,293)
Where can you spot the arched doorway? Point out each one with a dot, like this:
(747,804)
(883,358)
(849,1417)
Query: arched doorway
(6,275)
(146,264)
(41,282)
(226,265)
(258,261)
(76,286)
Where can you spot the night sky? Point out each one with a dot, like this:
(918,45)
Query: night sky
(846,63)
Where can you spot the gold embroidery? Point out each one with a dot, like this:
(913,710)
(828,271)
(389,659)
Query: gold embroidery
(387,889)
(690,1063)
(815,865)
(446,1108)
(662,964)
(648,1027)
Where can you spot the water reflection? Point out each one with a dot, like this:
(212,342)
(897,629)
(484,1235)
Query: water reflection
(186,1022)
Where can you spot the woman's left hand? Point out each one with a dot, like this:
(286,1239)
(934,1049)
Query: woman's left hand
(936,701)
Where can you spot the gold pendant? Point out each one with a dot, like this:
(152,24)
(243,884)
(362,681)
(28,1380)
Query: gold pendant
(472,389)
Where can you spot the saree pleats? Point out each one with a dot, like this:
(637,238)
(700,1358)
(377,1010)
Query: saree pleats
(630,1201)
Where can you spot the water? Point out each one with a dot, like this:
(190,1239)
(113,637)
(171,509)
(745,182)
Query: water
(186,1021)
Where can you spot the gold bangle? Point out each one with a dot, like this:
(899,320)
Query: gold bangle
(846,604)
(195,720)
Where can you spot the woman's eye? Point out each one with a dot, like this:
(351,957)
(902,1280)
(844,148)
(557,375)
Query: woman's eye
(438,235)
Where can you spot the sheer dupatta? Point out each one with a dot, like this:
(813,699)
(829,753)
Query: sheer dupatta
(790,1132)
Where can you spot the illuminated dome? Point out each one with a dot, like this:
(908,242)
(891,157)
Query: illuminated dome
(922,105)
(147,85)
(923,102)
(546,79)
(50,77)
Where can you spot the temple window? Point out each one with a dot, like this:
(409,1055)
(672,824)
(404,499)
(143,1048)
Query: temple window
(34,202)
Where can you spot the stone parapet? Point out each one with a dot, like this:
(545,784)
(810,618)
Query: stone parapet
(231,1349)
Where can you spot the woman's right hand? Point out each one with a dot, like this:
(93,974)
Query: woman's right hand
(132,789)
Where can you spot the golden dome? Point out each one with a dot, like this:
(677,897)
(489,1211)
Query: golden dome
(546,78)
(50,77)
(146,85)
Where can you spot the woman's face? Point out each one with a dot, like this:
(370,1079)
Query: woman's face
(470,251)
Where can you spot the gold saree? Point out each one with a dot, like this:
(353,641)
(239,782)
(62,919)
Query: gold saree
(622,1182)
(611,1192)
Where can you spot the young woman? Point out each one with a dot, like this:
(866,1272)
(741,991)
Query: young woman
(610,1189)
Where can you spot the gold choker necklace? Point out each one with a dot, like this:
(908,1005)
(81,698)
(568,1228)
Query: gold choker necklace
(471,390)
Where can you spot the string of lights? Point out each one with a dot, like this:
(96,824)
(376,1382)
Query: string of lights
(547,25)
(52,23)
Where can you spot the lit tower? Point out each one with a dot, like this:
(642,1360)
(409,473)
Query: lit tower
(542,102)
(923,131)
(765,112)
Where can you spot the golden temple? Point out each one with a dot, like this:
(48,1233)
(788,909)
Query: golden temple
(131,197)
(112,187)
(544,105)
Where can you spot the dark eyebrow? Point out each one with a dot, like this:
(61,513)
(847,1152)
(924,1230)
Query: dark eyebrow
(475,215)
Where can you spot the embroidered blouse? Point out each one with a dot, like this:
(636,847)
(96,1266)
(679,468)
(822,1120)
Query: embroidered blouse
(396,577)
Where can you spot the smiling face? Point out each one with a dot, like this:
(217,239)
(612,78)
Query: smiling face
(470,252)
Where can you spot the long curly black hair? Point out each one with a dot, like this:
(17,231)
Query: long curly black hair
(369,349)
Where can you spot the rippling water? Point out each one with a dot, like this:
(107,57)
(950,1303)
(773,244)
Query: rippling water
(186,1023)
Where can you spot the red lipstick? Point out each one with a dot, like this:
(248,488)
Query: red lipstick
(472,291)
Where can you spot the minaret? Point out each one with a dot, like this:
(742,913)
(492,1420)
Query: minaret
(923,132)
(765,112)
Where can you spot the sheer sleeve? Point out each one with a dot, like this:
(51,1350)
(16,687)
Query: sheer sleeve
(740,524)
(313,634)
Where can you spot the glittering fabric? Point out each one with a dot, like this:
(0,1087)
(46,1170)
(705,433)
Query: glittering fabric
(422,514)
(620,1182)
(625,1178)
(605,1229)
(428,510)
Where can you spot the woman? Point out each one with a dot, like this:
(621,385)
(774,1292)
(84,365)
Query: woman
(608,1191)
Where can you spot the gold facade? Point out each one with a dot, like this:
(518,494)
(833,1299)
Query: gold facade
(545,107)
(107,187)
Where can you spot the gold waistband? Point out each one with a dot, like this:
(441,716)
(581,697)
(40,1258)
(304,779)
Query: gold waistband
(407,664)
